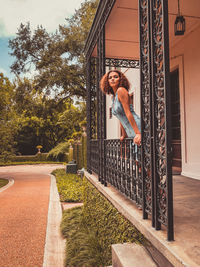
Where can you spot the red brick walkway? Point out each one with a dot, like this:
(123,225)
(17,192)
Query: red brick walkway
(23,215)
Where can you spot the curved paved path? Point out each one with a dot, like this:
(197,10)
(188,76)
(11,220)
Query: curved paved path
(23,215)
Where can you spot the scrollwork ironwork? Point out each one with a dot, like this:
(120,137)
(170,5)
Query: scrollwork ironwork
(93,98)
(101,105)
(143,176)
(145,70)
(123,168)
(94,150)
(123,63)
(163,177)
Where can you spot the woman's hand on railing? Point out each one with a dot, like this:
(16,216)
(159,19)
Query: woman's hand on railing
(137,139)
(122,138)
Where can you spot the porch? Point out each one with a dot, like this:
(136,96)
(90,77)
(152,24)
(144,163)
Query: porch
(185,249)
(140,35)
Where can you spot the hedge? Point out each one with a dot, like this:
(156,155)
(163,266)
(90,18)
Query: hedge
(110,226)
(26,158)
(70,186)
(92,229)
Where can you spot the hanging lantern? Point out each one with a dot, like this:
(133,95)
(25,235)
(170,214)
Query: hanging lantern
(179,25)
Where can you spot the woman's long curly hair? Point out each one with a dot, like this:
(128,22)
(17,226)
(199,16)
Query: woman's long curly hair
(104,83)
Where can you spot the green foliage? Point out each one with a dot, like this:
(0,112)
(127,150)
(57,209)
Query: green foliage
(3,182)
(5,156)
(92,229)
(83,123)
(40,110)
(27,163)
(59,152)
(77,135)
(82,246)
(7,116)
(70,186)
(41,157)
(111,227)
(70,119)
(43,120)
(57,57)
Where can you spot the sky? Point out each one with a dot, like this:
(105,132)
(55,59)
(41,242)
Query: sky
(48,13)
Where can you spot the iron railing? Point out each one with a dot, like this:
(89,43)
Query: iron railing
(123,168)
(148,182)
(94,156)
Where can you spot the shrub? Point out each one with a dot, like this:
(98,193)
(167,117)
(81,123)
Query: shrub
(27,163)
(70,186)
(41,157)
(5,156)
(92,229)
(111,227)
(59,152)
(82,244)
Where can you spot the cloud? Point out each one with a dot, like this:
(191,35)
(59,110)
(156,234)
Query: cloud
(2,27)
(48,13)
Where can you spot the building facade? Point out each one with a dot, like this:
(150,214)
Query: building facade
(141,37)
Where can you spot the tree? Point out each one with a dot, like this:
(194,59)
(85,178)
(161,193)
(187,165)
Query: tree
(7,116)
(41,119)
(45,114)
(57,58)
(70,119)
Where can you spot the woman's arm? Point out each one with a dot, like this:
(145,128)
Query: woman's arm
(123,132)
(123,97)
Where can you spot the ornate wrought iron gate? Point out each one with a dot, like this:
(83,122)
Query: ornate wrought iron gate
(155,171)
(155,114)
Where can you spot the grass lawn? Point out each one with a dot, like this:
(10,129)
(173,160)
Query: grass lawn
(3,182)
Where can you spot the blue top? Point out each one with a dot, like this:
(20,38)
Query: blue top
(118,111)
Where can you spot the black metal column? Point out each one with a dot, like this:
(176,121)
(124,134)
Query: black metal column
(161,116)
(88,85)
(101,107)
(155,114)
(146,109)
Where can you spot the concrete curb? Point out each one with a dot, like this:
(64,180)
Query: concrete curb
(131,212)
(10,183)
(54,243)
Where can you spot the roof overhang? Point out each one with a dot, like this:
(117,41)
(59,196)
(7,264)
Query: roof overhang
(121,21)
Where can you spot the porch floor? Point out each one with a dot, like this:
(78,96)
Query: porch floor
(185,250)
(187,217)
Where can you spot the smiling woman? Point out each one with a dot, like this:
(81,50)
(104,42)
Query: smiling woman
(3,182)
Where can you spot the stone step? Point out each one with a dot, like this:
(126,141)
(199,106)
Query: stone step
(131,255)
